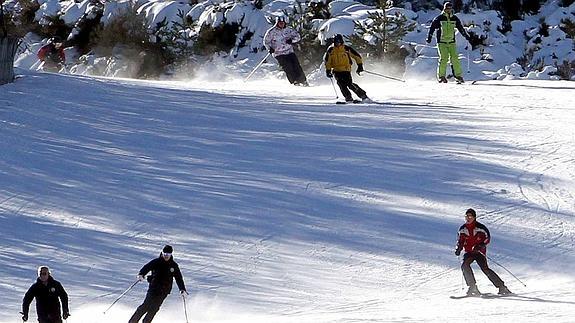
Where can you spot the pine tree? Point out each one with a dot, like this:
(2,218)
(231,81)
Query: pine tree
(177,39)
(380,35)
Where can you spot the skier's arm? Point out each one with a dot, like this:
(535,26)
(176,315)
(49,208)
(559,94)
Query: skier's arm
(42,53)
(460,242)
(28,297)
(326,59)
(147,268)
(354,54)
(459,27)
(268,39)
(179,279)
(434,25)
(294,36)
(64,299)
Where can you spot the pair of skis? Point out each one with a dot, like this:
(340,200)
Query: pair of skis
(482,295)
(347,102)
(368,101)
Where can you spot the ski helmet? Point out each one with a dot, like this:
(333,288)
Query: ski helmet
(338,39)
(281,19)
(168,249)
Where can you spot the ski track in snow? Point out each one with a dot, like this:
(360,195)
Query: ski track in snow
(283,206)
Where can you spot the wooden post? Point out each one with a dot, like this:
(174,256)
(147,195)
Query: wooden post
(8,48)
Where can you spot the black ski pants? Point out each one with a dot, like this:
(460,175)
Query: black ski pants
(150,307)
(53,319)
(469,258)
(345,83)
(290,65)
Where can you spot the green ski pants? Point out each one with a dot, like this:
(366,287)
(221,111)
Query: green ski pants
(448,53)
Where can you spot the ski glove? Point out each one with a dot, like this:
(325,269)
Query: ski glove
(271,50)
(65,316)
(289,41)
(184,293)
(329,74)
(428,40)
(457,252)
(141,278)
(24,317)
(359,68)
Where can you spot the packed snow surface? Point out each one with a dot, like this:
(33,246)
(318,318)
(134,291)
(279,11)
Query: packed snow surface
(282,206)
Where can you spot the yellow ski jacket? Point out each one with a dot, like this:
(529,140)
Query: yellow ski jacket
(339,58)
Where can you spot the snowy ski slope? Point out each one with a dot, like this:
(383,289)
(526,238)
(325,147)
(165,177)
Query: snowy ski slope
(282,206)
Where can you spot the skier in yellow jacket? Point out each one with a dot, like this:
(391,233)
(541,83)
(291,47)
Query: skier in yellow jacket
(338,62)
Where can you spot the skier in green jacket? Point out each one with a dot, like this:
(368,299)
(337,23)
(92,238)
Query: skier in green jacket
(445,24)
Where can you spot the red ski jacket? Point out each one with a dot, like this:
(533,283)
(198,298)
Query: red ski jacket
(50,52)
(473,237)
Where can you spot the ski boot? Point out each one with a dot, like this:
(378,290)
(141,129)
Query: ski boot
(442,79)
(366,100)
(473,291)
(503,290)
(459,79)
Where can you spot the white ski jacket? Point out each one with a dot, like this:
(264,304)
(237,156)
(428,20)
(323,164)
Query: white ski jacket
(276,38)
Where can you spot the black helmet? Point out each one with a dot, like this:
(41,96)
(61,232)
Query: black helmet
(54,40)
(338,39)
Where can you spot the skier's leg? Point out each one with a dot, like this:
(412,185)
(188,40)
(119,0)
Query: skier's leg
(285,64)
(454,58)
(154,308)
(295,69)
(299,75)
(359,91)
(443,51)
(343,81)
(467,271)
(49,319)
(493,277)
(142,309)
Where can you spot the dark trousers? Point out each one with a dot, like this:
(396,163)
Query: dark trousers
(469,258)
(150,307)
(290,65)
(50,319)
(345,83)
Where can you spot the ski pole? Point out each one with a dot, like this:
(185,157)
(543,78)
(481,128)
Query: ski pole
(468,60)
(418,44)
(385,76)
(462,276)
(185,307)
(500,265)
(334,89)
(257,66)
(122,295)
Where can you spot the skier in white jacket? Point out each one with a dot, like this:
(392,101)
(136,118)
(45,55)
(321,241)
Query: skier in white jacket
(279,41)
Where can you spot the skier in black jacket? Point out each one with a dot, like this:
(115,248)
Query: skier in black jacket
(164,269)
(48,293)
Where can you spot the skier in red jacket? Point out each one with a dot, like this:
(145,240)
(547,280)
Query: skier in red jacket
(474,237)
(52,55)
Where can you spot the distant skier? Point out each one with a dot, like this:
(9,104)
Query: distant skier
(48,293)
(445,24)
(338,62)
(279,41)
(52,55)
(164,270)
(474,237)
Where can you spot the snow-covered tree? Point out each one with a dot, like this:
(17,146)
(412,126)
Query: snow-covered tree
(380,35)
